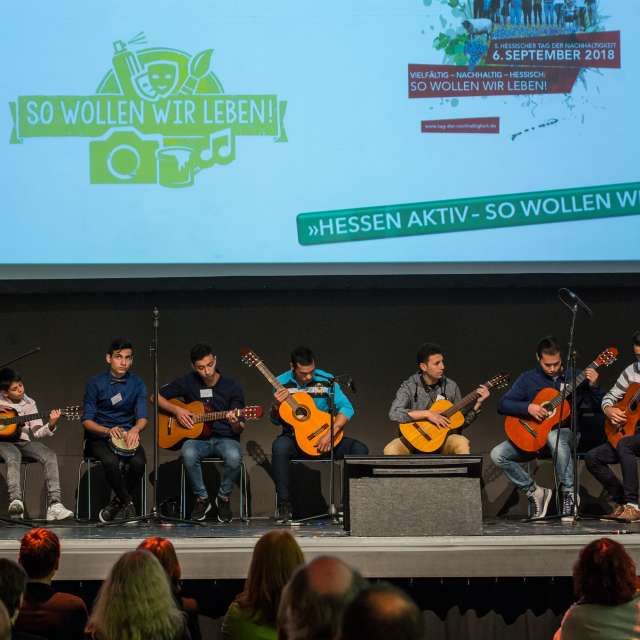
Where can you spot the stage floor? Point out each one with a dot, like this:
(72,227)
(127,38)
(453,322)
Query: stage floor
(507,548)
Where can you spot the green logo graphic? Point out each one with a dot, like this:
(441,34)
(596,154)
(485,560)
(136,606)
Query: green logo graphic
(159,116)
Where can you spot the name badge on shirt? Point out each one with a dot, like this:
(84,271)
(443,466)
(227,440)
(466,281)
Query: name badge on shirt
(206,393)
(117,398)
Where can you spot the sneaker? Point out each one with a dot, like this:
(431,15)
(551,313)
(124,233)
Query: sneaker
(57,511)
(284,514)
(567,507)
(224,509)
(128,512)
(109,513)
(615,514)
(539,500)
(630,513)
(16,509)
(201,508)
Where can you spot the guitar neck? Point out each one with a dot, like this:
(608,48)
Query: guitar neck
(572,386)
(275,383)
(461,404)
(212,416)
(264,370)
(23,419)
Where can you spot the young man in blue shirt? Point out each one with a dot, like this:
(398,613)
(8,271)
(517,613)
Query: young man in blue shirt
(519,401)
(220,439)
(115,404)
(303,376)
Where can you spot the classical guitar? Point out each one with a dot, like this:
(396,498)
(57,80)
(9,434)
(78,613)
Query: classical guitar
(171,433)
(10,420)
(298,410)
(426,436)
(529,434)
(630,404)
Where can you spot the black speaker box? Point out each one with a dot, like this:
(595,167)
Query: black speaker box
(419,495)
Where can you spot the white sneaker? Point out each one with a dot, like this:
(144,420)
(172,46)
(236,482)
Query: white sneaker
(16,509)
(539,500)
(57,511)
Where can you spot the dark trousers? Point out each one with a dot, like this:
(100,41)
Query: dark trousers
(626,453)
(123,473)
(537,12)
(285,449)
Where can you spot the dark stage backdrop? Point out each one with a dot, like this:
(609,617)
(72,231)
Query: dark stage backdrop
(367,328)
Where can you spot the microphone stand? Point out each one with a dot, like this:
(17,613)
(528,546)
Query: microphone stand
(154,517)
(20,357)
(573,416)
(570,377)
(332,511)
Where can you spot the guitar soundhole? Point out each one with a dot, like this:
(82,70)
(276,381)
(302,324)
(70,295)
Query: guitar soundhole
(301,413)
(633,406)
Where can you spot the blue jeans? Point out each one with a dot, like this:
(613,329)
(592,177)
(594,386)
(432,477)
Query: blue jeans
(12,453)
(507,456)
(193,451)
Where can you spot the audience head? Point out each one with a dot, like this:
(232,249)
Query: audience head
(604,574)
(39,553)
(13,581)
(164,550)
(275,557)
(136,601)
(381,611)
(313,601)
(5,623)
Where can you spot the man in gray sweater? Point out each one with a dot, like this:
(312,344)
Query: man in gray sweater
(418,393)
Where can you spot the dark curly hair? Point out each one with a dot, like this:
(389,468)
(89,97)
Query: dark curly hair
(604,574)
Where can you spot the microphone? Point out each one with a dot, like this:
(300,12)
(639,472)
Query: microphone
(575,299)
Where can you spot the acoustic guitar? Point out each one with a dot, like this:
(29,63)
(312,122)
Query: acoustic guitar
(630,403)
(309,424)
(428,437)
(10,420)
(171,432)
(529,434)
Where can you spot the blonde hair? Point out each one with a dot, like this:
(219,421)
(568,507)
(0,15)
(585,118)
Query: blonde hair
(135,602)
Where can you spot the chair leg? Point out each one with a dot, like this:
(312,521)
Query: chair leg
(244,507)
(143,508)
(183,493)
(78,490)
(23,472)
(88,490)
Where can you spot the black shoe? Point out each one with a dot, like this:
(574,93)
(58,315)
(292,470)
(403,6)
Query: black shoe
(201,508)
(284,514)
(224,509)
(128,512)
(111,511)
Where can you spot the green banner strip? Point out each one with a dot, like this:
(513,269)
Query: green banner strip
(447,216)
(197,115)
